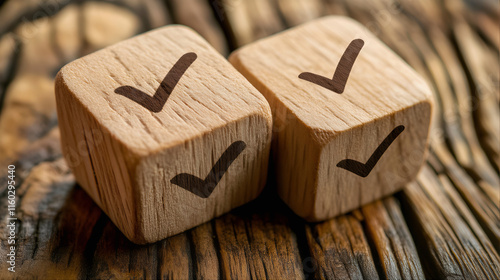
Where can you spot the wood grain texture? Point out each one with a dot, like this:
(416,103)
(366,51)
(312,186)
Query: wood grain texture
(62,226)
(340,250)
(106,25)
(125,155)
(249,20)
(256,243)
(316,128)
(485,88)
(440,215)
(197,15)
(296,12)
(29,105)
(483,199)
(396,251)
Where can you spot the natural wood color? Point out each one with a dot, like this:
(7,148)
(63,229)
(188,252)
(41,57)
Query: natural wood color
(339,250)
(29,109)
(206,253)
(134,152)
(59,234)
(174,258)
(42,192)
(461,118)
(66,35)
(389,232)
(486,25)
(454,121)
(197,15)
(154,13)
(252,243)
(249,20)
(483,199)
(37,55)
(14,13)
(441,217)
(296,12)
(8,48)
(315,128)
(96,17)
(486,91)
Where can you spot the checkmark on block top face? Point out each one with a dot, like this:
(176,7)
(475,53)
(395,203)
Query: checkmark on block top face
(174,135)
(339,80)
(157,101)
(351,118)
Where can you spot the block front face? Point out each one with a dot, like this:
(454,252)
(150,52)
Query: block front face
(319,122)
(241,182)
(398,165)
(165,103)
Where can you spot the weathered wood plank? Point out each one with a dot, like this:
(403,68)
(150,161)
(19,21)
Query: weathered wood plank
(198,15)
(14,13)
(105,24)
(29,112)
(39,199)
(206,261)
(476,58)
(392,239)
(460,98)
(257,242)
(296,12)
(339,250)
(248,20)
(452,212)
(449,245)
(174,260)
(9,53)
(483,200)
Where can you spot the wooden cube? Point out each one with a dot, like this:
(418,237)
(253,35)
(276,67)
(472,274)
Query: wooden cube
(162,132)
(340,142)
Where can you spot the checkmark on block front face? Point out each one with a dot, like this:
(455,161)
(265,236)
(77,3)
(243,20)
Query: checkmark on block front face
(364,169)
(204,187)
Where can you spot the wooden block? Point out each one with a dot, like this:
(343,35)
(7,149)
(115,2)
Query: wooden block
(337,148)
(162,132)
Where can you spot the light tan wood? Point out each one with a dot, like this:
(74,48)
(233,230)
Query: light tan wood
(107,24)
(28,99)
(315,128)
(65,235)
(125,155)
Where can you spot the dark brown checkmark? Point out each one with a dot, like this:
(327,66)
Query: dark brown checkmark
(155,104)
(337,83)
(363,169)
(203,188)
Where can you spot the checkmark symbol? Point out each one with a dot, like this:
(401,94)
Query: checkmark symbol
(155,104)
(363,169)
(339,80)
(203,188)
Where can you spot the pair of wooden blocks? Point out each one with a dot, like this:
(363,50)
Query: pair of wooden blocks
(165,134)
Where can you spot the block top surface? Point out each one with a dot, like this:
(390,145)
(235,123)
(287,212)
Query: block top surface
(209,94)
(380,83)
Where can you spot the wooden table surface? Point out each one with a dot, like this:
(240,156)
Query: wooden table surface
(446,224)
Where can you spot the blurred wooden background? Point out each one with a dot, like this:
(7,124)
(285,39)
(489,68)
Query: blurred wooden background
(444,225)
